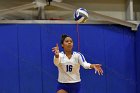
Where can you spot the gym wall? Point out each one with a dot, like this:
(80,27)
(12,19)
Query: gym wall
(26,58)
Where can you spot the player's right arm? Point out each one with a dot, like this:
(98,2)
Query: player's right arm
(56,55)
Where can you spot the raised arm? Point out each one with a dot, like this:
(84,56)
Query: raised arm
(56,55)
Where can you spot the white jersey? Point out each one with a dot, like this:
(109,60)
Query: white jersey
(69,68)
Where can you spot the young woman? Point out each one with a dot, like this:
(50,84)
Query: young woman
(68,63)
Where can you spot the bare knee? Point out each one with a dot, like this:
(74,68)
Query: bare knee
(62,91)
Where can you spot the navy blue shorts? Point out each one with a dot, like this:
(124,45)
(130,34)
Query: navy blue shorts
(69,87)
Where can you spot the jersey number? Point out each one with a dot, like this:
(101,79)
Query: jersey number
(69,68)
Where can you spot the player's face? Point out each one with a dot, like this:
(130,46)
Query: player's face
(68,44)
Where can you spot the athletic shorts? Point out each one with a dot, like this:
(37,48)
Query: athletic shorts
(69,87)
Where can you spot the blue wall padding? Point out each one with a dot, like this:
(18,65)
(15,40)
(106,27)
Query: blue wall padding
(26,58)
(30,58)
(120,56)
(9,66)
(138,59)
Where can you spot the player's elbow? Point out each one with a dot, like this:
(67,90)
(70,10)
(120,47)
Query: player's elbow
(56,63)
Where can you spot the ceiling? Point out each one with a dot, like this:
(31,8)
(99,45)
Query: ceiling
(95,5)
(8,3)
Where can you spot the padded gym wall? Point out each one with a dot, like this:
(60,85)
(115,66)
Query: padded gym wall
(26,59)
(9,66)
(137,35)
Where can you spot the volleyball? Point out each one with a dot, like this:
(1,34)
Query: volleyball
(81,15)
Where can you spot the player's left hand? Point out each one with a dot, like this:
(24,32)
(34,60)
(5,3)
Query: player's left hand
(98,69)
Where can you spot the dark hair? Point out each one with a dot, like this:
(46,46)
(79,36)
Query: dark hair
(63,38)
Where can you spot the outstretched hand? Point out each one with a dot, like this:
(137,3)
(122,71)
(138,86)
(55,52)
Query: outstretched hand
(56,50)
(98,69)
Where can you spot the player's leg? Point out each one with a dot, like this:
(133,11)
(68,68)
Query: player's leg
(62,91)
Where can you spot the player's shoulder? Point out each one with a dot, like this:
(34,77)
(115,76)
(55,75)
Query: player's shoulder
(77,53)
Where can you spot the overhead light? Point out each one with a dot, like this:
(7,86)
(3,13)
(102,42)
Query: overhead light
(57,0)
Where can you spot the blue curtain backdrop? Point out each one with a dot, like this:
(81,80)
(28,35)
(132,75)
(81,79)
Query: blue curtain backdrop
(26,59)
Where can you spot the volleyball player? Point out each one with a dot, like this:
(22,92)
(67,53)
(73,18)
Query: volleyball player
(68,63)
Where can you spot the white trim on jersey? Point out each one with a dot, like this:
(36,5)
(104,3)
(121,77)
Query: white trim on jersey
(69,68)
